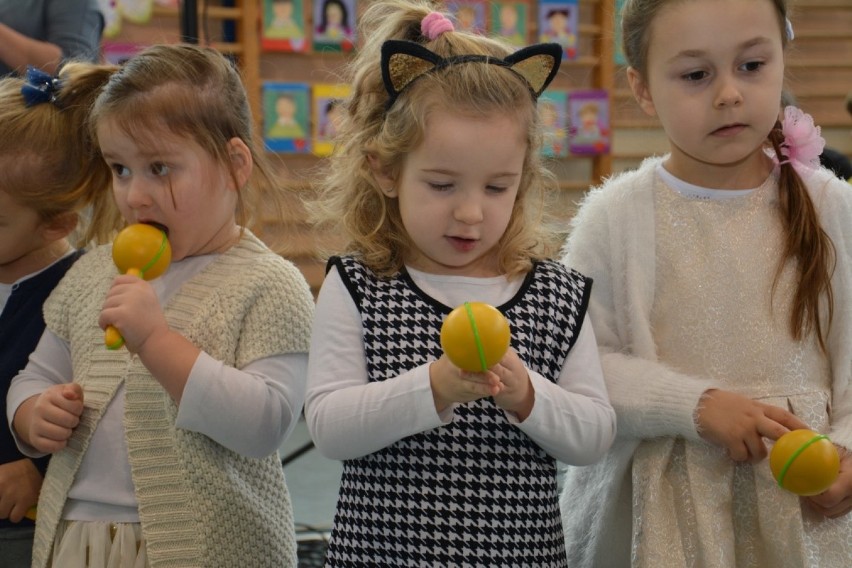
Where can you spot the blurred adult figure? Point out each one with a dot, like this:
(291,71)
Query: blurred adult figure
(43,33)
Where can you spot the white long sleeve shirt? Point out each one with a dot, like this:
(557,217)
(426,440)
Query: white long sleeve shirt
(250,410)
(349,417)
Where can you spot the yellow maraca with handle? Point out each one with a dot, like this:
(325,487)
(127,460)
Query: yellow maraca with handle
(475,336)
(142,250)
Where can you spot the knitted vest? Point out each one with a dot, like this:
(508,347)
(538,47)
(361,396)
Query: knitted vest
(476,491)
(200,504)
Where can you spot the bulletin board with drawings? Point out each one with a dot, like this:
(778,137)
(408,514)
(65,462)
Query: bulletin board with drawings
(321,33)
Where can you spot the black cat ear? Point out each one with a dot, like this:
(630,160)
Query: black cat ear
(403,62)
(537,64)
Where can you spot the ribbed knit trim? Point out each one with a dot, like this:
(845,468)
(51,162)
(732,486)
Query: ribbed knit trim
(161,473)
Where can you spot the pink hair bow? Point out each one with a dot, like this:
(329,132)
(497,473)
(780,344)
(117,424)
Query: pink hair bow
(803,143)
(434,24)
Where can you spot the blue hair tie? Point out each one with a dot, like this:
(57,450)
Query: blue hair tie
(39,87)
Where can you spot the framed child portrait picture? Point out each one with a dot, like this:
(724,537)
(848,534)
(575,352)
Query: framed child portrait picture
(469,15)
(283,26)
(286,117)
(553,114)
(589,132)
(557,23)
(334,25)
(509,21)
(328,111)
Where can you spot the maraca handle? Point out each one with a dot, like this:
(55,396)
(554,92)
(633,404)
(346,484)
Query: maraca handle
(112,338)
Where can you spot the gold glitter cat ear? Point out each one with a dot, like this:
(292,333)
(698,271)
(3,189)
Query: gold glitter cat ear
(403,62)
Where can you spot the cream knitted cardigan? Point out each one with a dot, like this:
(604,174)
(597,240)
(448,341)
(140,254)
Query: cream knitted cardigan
(200,504)
(612,241)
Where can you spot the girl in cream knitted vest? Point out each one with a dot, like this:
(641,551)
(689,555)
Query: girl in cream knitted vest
(165,451)
(200,504)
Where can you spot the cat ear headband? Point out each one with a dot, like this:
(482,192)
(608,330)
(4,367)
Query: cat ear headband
(403,62)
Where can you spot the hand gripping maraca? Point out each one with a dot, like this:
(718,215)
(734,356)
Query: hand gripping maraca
(141,250)
(475,336)
(804,462)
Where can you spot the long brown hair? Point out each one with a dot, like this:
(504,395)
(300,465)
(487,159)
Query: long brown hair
(806,243)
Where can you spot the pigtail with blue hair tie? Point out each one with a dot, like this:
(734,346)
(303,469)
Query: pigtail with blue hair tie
(39,87)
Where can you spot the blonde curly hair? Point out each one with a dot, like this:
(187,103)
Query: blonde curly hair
(349,200)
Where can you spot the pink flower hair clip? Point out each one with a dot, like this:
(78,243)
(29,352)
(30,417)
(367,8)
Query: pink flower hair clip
(802,143)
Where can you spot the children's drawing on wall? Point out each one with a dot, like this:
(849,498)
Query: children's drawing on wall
(589,117)
(117,53)
(618,52)
(469,15)
(552,112)
(557,22)
(286,112)
(114,11)
(283,25)
(509,22)
(328,113)
(334,25)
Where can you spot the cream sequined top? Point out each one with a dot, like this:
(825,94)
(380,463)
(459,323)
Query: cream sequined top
(662,496)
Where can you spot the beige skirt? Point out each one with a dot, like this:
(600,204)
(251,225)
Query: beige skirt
(95,544)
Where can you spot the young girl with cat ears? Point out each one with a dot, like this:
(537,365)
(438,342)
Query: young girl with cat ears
(438,187)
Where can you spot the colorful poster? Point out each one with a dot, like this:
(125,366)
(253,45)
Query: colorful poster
(283,26)
(328,110)
(286,117)
(589,118)
(509,21)
(557,22)
(334,25)
(116,52)
(553,114)
(469,15)
(113,11)
(618,52)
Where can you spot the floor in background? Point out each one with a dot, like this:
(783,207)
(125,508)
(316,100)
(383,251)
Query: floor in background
(313,482)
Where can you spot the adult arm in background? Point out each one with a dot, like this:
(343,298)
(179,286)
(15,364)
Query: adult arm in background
(67,29)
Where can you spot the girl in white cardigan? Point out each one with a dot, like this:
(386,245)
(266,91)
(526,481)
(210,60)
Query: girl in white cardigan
(721,306)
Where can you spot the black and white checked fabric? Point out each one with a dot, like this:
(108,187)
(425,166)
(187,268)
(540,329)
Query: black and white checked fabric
(477,491)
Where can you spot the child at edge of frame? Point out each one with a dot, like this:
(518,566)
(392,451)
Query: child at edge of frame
(165,452)
(53,202)
(721,307)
